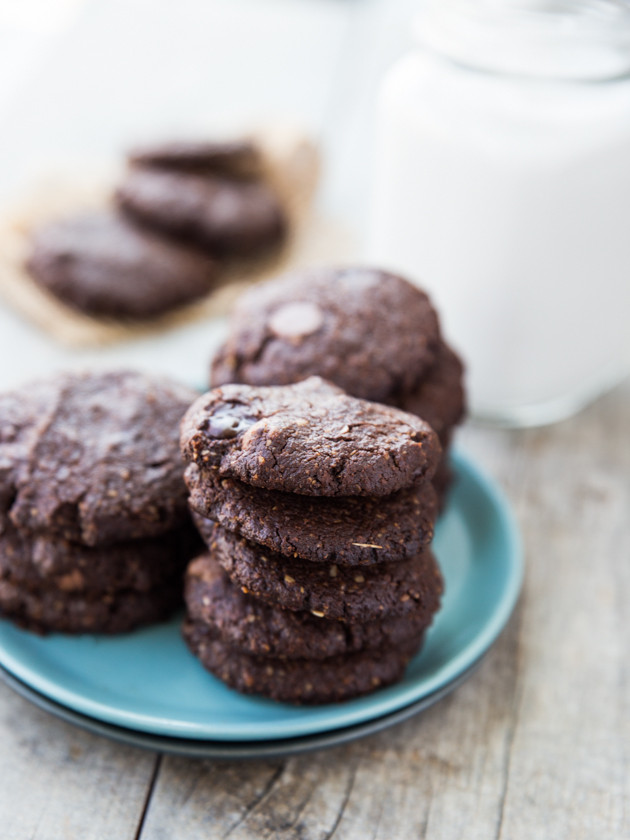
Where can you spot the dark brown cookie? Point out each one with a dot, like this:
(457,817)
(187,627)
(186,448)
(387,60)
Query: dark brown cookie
(51,610)
(309,438)
(251,626)
(102,464)
(222,215)
(101,264)
(439,399)
(22,415)
(300,680)
(40,562)
(368,331)
(236,158)
(343,593)
(348,531)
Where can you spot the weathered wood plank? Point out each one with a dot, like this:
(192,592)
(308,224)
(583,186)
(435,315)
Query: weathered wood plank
(60,783)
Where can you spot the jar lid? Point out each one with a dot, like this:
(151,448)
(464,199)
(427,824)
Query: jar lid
(579,40)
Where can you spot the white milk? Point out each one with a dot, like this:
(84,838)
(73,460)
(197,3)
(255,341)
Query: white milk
(502,186)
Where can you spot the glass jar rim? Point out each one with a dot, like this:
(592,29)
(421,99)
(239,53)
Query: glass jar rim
(569,40)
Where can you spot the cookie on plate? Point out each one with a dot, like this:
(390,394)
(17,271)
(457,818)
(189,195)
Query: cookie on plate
(262,629)
(329,680)
(95,531)
(310,439)
(344,593)
(368,331)
(352,530)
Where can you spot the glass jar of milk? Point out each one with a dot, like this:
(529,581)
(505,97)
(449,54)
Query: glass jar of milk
(502,186)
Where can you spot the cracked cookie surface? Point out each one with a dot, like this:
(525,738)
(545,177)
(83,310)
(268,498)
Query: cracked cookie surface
(310,439)
(94,458)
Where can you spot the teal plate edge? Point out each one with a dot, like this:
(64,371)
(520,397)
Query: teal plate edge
(477,508)
(231,750)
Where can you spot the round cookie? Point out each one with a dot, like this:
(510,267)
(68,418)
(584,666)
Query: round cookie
(254,627)
(300,680)
(101,264)
(22,415)
(439,399)
(368,331)
(347,531)
(237,158)
(335,592)
(39,562)
(51,610)
(224,216)
(102,463)
(309,438)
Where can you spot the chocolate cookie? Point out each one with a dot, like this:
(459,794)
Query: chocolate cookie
(300,680)
(337,592)
(237,158)
(51,610)
(101,264)
(439,399)
(309,438)
(251,626)
(368,331)
(222,215)
(39,562)
(347,531)
(100,460)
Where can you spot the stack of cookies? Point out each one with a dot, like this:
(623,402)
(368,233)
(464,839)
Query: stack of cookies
(370,332)
(179,212)
(94,526)
(317,509)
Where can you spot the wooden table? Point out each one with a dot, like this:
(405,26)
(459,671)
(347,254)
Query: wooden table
(535,745)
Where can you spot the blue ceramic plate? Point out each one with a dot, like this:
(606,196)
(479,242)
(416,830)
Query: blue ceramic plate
(148,681)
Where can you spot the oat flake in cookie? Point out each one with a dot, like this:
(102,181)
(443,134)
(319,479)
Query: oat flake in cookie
(94,458)
(366,330)
(344,593)
(261,629)
(101,264)
(351,531)
(309,439)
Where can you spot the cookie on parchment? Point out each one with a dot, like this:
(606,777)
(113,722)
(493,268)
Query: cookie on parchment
(100,263)
(224,216)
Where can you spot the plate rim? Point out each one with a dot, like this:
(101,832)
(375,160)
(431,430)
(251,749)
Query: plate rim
(378,707)
(233,750)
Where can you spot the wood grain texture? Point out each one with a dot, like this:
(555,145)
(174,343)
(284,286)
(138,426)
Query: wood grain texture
(60,783)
